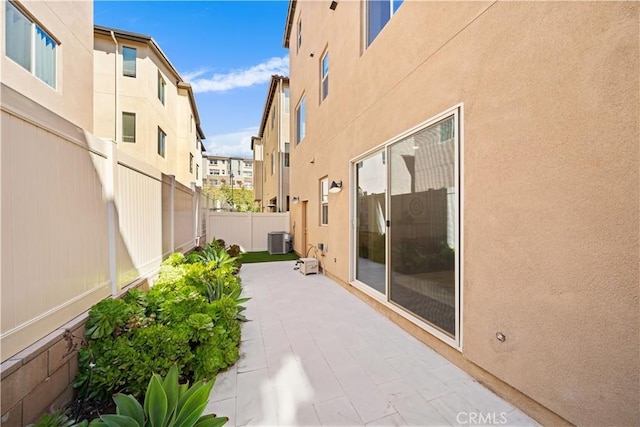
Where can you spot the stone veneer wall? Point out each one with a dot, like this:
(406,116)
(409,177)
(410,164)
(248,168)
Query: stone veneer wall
(38,379)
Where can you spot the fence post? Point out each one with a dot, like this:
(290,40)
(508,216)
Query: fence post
(110,186)
(172,215)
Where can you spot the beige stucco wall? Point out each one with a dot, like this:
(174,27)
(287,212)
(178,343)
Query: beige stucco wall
(273,141)
(139,95)
(550,95)
(71,23)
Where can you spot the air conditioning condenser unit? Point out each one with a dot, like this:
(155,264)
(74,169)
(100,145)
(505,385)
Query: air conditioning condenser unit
(279,242)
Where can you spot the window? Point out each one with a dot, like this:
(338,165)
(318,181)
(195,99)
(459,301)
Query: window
(273,162)
(197,171)
(286,154)
(324,201)
(190,124)
(299,35)
(128,127)
(215,182)
(162,140)
(190,163)
(324,73)
(129,61)
(301,119)
(286,101)
(162,89)
(216,172)
(378,14)
(247,164)
(213,162)
(29,45)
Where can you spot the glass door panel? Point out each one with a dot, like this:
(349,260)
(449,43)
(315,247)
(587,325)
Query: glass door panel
(423,205)
(371,187)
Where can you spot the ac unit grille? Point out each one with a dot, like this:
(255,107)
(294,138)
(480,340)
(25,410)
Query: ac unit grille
(278,242)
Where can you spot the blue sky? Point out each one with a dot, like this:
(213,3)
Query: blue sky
(226,49)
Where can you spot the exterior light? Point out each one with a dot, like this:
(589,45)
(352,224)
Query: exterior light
(333,5)
(335,187)
(295,200)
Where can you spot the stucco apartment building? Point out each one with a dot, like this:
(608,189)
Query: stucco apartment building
(271,149)
(219,171)
(141,101)
(472,170)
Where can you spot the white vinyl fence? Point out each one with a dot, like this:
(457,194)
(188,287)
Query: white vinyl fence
(248,229)
(87,222)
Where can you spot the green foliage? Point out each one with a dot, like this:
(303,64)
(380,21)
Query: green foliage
(166,403)
(190,319)
(241,199)
(56,419)
(108,317)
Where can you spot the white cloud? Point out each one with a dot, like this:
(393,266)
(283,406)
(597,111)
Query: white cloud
(234,144)
(221,82)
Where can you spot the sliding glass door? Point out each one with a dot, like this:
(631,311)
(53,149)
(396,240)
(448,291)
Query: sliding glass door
(406,216)
(423,233)
(371,229)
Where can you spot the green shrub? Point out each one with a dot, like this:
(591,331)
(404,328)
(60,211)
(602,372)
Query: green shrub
(189,319)
(166,403)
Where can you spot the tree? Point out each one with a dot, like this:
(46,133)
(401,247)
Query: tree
(240,200)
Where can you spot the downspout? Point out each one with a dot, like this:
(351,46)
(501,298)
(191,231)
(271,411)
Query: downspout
(111,195)
(115,80)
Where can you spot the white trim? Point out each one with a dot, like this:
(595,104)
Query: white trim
(457,112)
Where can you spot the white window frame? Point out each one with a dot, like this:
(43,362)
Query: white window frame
(129,138)
(162,143)
(392,11)
(301,120)
(324,201)
(33,57)
(324,77)
(162,89)
(135,62)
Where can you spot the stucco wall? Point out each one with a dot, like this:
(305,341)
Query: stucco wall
(550,97)
(139,95)
(70,22)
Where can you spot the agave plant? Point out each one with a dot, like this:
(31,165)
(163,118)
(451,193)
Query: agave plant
(166,404)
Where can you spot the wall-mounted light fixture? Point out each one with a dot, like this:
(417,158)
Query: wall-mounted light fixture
(333,5)
(295,200)
(335,187)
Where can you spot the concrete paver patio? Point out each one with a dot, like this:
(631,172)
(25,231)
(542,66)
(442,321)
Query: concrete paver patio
(314,354)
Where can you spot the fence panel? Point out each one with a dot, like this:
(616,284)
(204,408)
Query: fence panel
(248,229)
(184,218)
(139,209)
(54,253)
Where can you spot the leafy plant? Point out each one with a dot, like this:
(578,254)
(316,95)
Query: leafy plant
(189,318)
(56,419)
(108,317)
(166,403)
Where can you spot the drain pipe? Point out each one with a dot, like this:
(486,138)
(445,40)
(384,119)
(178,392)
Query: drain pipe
(111,191)
(115,81)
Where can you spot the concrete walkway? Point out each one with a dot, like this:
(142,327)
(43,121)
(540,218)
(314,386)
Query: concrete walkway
(314,354)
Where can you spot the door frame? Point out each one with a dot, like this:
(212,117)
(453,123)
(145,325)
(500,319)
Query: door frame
(457,111)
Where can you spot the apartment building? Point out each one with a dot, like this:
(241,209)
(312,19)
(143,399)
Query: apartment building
(223,171)
(471,169)
(141,102)
(271,149)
